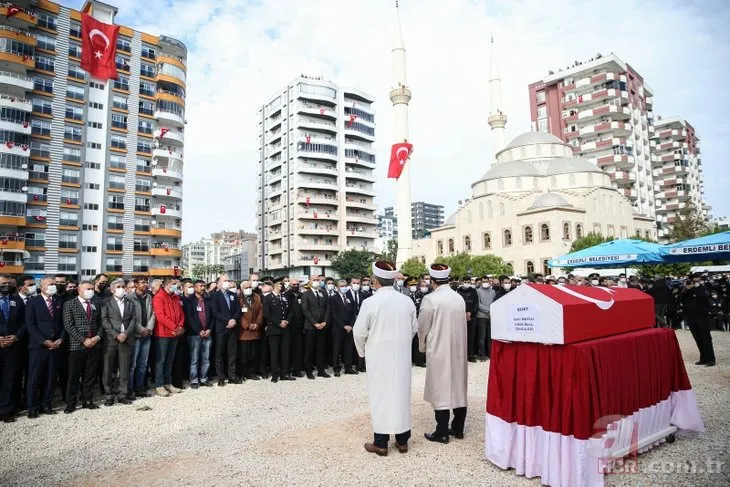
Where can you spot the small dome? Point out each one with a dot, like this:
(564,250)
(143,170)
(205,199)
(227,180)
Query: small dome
(451,220)
(540,167)
(531,138)
(549,200)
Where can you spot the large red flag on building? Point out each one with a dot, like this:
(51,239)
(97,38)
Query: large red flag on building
(98,48)
(399,154)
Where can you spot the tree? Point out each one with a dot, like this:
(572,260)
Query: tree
(216,270)
(391,251)
(352,263)
(463,264)
(589,240)
(688,224)
(200,271)
(414,267)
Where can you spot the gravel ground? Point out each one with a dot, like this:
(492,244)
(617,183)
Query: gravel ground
(311,433)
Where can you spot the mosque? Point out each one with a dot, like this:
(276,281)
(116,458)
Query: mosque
(533,202)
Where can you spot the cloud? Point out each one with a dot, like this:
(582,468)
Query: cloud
(240,53)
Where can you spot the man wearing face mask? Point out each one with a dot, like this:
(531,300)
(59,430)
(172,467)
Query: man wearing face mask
(506,286)
(198,330)
(366,287)
(696,304)
(296,328)
(142,301)
(120,325)
(12,332)
(101,288)
(315,304)
(400,284)
(342,319)
(418,357)
(226,313)
(594,279)
(485,296)
(276,325)
(252,328)
(27,289)
(263,352)
(359,291)
(170,325)
(82,322)
(471,300)
(181,364)
(43,318)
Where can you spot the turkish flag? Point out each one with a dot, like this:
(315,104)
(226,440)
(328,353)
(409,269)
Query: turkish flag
(163,132)
(12,10)
(308,139)
(98,48)
(399,154)
(163,209)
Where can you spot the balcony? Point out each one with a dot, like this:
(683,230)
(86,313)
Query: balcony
(320,124)
(630,193)
(318,229)
(621,161)
(610,110)
(623,178)
(11,194)
(14,170)
(620,129)
(164,154)
(170,96)
(676,134)
(12,220)
(314,261)
(361,218)
(12,266)
(669,145)
(15,126)
(169,117)
(310,168)
(165,211)
(167,192)
(7,101)
(359,146)
(165,251)
(357,161)
(165,173)
(158,231)
(317,199)
(173,137)
(352,131)
(168,271)
(325,112)
(11,242)
(360,189)
(317,214)
(330,184)
(316,245)
(23,16)
(16,83)
(361,175)
(360,203)
(601,144)
(362,232)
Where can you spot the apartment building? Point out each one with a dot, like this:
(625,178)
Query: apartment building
(217,250)
(91,170)
(315,173)
(678,178)
(602,108)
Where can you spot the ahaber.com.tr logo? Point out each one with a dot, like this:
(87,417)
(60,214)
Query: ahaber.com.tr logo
(615,445)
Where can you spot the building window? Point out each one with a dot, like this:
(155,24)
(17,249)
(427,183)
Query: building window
(490,212)
(146,69)
(451,246)
(120,102)
(116,202)
(610,231)
(70,197)
(41,105)
(578,230)
(624,232)
(43,84)
(145,127)
(40,127)
(113,264)
(141,204)
(114,222)
(69,219)
(45,63)
(147,89)
(467,244)
(121,83)
(141,265)
(647,234)
(118,142)
(76,72)
(46,20)
(116,182)
(507,238)
(74,50)
(566,231)
(542,111)
(67,263)
(545,267)
(93,145)
(94,125)
(144,146)
(72,133)
(143,185)
(119,121)
(114,244)
(487,241)
(72,176)
(141,225)
(141,245)
(35,239)
(528,234)
(148,52)
(117,161)
(544,232)
(143,165)
(440,247)
(146,107)
(481,211)
(530,267)
(75,92)
(597,228)
(540,96)
(74,113)
(67,241)
(124,45)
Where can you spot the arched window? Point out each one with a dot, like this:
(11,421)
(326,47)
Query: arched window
(566,231)
(545,267)
(528,234)
(597,228)
(510,267)
(530,267)
(487,241)
(440,247)
(578,230)
(647,234)
(507,238)
(610,231)
(490,213)
(624,232)
(544,232)
(451,245)
(481,211)
(501,209)
(467,244)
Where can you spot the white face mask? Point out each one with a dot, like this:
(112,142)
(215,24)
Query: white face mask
(51,290)
(356,287)
(366,288)
(413,289)
(254,284)
(424,289)
(191,291)
(247,291)
(594,282)
(623,279)
(32,289)
(399,283)
(507,286)
(119,292)
(315,284)
(466,285)
(561,284)
(88,294)
(225,285)
(330,287)
(486,285)
(343,290)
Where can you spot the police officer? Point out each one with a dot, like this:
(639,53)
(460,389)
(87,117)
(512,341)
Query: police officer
(277,315)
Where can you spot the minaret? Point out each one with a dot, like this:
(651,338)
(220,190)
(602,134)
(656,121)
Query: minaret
(400,96)
(497,119)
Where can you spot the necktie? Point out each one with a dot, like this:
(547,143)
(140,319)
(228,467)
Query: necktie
(5,307)
(49,303)
(228,301)
(357,298)
(88,310)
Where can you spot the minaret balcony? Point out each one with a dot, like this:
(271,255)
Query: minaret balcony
(400,95)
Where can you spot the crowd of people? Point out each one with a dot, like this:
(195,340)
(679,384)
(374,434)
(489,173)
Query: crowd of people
(126,337)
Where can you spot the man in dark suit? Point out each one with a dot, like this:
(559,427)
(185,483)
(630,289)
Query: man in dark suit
(342,318)
(314,307)
(43,321)
(82,322)
(12,331)
(296,328)
(198,328)
(119,319)
(357,294)
(277,315)
(225,309)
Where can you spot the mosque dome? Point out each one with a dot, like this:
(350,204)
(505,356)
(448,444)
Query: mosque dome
(549,200)
(532,138)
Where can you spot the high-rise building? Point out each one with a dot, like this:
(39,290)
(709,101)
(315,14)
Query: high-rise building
(424,216)
(315,172)
(602,108)
(214,251)
(91,170)
(678,176)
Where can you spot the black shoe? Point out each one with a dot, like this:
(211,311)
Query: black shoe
(458,436)
(362,369)
(221,383)
(483,358)
(297,374)
(337,374)
(130,396)
(437,439)
(235,381)
(8,418)
(265,375)
(69,409)
(420,365)
(89,405)
(310,375)
(275,378)
(287,377)
(141,394)
(194,385)
(33,414)
(253,377)
(323,374)
(701,362)
(471,359)
(108,402)
(351,372)
(47,411)
(124,400)
(207,383)
(711,363)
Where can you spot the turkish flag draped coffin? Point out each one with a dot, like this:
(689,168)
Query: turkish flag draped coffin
(542,313)
(98,48)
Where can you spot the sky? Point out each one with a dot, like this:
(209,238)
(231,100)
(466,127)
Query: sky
(241,52)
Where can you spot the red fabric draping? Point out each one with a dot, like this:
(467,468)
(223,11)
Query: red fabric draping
(568,388)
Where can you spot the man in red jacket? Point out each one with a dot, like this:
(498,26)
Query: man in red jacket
(170,322)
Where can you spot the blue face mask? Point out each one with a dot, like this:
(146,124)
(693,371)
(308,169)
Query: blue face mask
(173,288)
(343,290)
